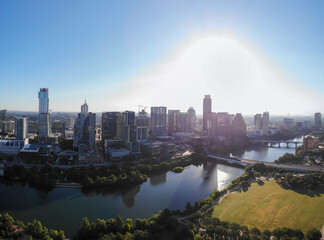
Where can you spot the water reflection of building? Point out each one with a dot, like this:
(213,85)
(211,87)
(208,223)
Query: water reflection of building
(128,196)
(158,179)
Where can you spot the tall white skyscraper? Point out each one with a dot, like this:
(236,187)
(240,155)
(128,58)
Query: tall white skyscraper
(43,100)
(21,128)
(44,118)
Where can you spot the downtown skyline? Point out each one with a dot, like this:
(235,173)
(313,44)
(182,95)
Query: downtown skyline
(116,56)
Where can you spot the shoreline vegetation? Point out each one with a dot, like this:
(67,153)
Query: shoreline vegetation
(92,177)
(195,222)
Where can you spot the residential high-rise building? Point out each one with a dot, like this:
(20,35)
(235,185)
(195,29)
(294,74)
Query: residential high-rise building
(68,123)
(85,128)
(158,121)
(3,119)
(43,106)
(142,133)
(288,123)
(191,120)
(238,127)
(8,126)
(112,125)
(318,120)
(307,125)
(207,108)
(130,131)
(212,124)
(3,115)
(223,123)
(172,121)
(258,122)
(44,125)
(265,123)
(143,119)
(90,130)
(21,128)
(310,143)
(181,121)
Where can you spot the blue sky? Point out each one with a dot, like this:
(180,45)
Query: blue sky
(84,49)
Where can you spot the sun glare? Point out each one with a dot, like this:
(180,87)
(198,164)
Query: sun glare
(234,73)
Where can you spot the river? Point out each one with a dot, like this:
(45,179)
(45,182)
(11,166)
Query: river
(268,154)
(64,208)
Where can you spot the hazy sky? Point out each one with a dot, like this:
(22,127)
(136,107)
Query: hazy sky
(249,55)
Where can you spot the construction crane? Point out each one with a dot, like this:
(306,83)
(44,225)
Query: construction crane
(139,107)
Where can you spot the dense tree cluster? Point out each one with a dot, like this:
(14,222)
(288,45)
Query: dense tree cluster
(290,158)
(308,182)
(45,177)
(160,226)
(111,176)
(11,229)
(217,229)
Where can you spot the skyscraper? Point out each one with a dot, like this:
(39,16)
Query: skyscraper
(207,108)
(258,121)
(191,120)
(318,120)
(3,119)
(158,121)
(44,125)
(238,127)
(112,125)
(3,115)
(84,107)
(85,128)
(265,123)
(43,105)
(172,121)
(90,130)
(21,128)
(130,131)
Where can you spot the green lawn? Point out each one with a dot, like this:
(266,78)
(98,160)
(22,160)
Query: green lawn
(270,206)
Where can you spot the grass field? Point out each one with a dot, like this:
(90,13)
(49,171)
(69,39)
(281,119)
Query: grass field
(270,206)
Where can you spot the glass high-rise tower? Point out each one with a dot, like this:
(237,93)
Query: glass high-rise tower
(44,120)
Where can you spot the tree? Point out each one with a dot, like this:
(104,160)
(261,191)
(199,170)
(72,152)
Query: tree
(313,234)
(36,229)
(188,206)
(119,224)
(259,167)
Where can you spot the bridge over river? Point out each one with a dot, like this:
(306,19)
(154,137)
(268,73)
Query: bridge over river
(247,162)
(273,143)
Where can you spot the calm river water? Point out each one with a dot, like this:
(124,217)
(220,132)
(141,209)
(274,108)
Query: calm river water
(64,208)
(269,154)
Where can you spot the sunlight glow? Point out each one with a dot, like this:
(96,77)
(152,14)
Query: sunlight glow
(238,78)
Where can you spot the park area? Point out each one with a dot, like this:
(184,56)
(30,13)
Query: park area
(269,206)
